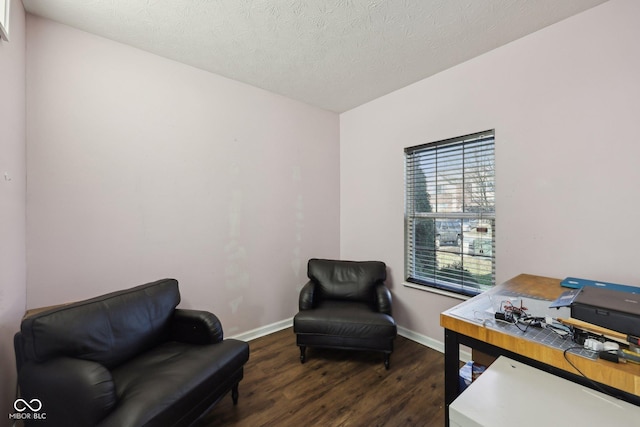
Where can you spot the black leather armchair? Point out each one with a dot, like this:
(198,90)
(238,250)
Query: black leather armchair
(128,358)
(345,305)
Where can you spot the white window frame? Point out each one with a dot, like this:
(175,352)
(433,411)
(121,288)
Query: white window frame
(464,167)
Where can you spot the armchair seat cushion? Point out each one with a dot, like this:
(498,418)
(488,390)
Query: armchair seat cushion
(345,319)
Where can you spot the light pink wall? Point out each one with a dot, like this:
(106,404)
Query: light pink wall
(12,200)
(141,168)
(564,104)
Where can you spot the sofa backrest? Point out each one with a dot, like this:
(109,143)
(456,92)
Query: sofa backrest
(346,280)
(108,329)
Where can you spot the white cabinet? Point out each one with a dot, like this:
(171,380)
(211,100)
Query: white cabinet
(510,393)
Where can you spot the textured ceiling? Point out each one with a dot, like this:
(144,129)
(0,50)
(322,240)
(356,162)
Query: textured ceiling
(334,54)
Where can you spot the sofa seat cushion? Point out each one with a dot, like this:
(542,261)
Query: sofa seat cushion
(158,387)
(346,319)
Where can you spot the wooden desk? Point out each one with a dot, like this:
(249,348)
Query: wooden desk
(621,380)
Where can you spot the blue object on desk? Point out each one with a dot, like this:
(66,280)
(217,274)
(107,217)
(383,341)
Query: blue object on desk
(566,299)
(572,282)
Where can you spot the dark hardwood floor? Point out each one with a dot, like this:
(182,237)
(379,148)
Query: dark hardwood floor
(334,388)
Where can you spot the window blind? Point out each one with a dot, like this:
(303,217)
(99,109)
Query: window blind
(450,213)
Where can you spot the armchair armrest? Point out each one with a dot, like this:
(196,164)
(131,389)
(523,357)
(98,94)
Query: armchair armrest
(196,327)
(383,299)
(306,300)
(70,390)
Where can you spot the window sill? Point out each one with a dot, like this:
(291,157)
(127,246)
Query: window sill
(437,291)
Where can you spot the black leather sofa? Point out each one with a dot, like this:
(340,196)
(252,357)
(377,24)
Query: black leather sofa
(345,305)
(128,358)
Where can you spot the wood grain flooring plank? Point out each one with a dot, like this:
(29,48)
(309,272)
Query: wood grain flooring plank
(334,387)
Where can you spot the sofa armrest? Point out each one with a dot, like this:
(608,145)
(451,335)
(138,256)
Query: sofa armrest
(196,327)
(383,299)
(70,390)
(306,301)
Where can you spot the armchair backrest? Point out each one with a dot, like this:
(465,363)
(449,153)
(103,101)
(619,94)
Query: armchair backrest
(108,329)
(346,280)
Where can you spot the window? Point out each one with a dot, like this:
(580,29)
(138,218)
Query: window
(450,214)
(4,19)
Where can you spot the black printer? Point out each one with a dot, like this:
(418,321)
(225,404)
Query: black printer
(615,310)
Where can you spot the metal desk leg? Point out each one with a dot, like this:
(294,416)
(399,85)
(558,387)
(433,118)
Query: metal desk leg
(451,370)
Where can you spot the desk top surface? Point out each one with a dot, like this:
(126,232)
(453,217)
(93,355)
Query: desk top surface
(536,286)
(473,318)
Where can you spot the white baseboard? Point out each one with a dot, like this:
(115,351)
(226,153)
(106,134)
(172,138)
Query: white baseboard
(264,330)
(465,356)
